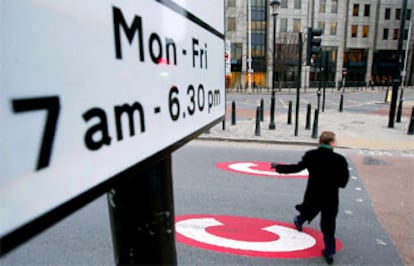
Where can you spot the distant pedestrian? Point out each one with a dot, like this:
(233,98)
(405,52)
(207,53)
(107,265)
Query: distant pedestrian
(328,171)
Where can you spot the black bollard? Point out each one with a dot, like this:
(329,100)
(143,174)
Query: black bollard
(308,117)
(233,113)
(399,111)
(323,99)
(224,124)
(341,103)
(400,105)
(386,95)
(318,94)
(262,110)
(411,126)
(272,124)
(289,117)
(257,130)
(315,125)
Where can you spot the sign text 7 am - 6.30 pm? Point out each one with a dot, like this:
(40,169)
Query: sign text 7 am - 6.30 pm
(90,88)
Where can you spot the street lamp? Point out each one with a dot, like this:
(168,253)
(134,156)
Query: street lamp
(275,4)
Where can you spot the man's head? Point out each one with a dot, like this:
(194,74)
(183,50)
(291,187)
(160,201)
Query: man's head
(328,138)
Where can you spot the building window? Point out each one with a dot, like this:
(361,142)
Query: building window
(365,31)
(283,4)
(333,28)
(334,6)
(367,9)
(321,25)
(405,34)
(355,11)
(283,25)
(322,6)
(298,4)
(385,34)
(354,31)
(296,25)
(231,3)
(395,34)
(231,24)
(398,14)
(387,13)
(236,51)
(408,14)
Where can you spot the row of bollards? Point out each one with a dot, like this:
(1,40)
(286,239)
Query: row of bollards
(260,117)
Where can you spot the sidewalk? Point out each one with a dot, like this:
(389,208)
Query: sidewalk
(353,130)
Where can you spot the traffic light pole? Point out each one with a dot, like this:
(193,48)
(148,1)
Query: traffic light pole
(298,84)
(397,76)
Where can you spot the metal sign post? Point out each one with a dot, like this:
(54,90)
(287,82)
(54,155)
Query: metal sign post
(142,217)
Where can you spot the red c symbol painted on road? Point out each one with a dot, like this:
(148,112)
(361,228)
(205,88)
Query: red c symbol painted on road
(249,236)
(258,169)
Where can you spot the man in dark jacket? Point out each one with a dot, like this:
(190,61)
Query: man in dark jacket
(328,171)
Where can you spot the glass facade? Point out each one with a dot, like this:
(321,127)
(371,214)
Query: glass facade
(259,43)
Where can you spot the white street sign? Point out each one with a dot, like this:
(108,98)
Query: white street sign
(91,88)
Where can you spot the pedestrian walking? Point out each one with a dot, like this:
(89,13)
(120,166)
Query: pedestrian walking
(328,171)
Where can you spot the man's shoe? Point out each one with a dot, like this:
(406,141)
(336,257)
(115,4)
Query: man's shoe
(328,257)
(298,225)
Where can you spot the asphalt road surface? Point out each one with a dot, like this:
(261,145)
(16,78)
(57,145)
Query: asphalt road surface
(226,212)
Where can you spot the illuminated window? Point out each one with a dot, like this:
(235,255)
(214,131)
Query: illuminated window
(296,25)
(333,28)
(355,11)
(365,31)
(321,25)
(354,31)
(398,14)
(395,34)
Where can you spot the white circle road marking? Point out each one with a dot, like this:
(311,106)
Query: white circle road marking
(289,239)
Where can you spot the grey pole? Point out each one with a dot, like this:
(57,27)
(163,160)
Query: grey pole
(142,217)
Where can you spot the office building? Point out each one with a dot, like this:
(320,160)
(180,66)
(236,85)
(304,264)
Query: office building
(359,42)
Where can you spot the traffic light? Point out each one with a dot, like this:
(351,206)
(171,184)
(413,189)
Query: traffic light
(312,43)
